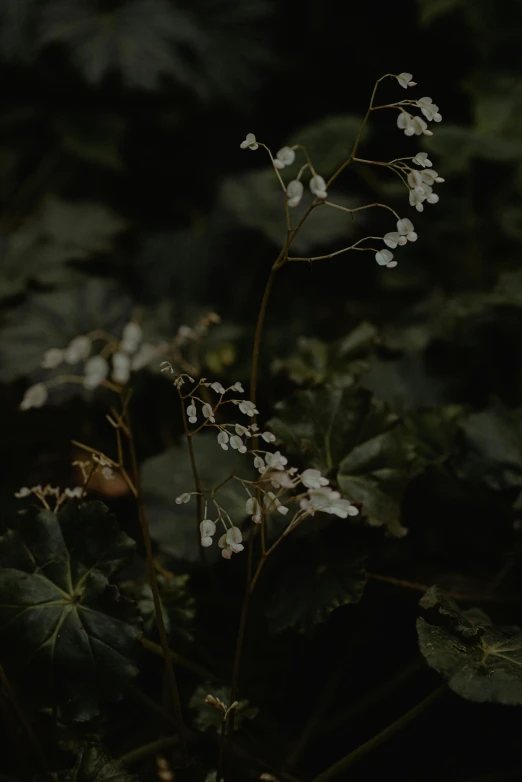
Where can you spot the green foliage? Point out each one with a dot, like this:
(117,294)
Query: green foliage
(66,630)
(94,764)
(178,605)
(481,662)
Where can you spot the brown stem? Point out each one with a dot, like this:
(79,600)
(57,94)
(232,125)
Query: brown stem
(183,662)
(258,334)
(148,749)
(197,482)
(158,609)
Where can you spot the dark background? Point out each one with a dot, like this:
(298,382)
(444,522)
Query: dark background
(144,151)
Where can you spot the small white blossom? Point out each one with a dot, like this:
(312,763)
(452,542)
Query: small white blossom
(414,178)
(238,387)
(406,229)
(52,358)
(327,500)
(276,461)
(120,368)
(431,176)
(233,539)
(313,479)
(207,528)
(131,337)
(268,437)
(208,413)
(206,541)
(429,109)
(318,186)
(192,413)
(270,502)
(72,493)
(217,387)
(405,80)
(185,497)
(259,464)
(237,444)
(384,258)
(294,191)
(249,142)
(77,350)
(108,473)
(253,509)
(284,157)
(405,123)
(96,370)
(392,239)
(420,127)
(242,431)
(417,196)
(35,396)
(24,492)
(248,408)
(421,159)
(281,479)
(223,439)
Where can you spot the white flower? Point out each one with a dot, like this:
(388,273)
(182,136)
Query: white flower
(421,159)
(52,358)
(131,337)
(77,350)
(185,497)
(35,396)
(268,437)
(405,123)
(250,142)
(120,368)
(237,444)
(206,541)
(217,387)
(405,228)
(24,492)
(276,461)
(429,109)
(259,464)
(414,178)
(431,176)
(233,539)
(192,413)
(392,239)
(384,258)
(145,354)
(223,439)
(242,431)
(420,127)
(405,80)
(281,479)
(328,501)
(270,502)
(96,370)
(294,191)
(208,413)
(108,473)
(207,528)
(237,387)
(318,186)
(248,408)
(417,196)
(253,509)
(313,479)
(76,492)
(284,157)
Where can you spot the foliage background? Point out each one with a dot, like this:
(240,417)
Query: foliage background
(123,190)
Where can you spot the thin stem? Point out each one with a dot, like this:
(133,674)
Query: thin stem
(258,334)
(24,720)
(151,748)
(158,608)
(197,482)
(345,763)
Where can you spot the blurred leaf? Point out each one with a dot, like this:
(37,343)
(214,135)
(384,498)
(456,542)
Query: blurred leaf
(433,434)
(15,39)
(93,137)
(207,716)
(429,10)
(67,631)
(309,589)
(329,141)
(316,362)
(179,607)
(455,145)
(255,200)
(205,46)
(51,320)
(94,764)
(166,476)
(349,430)
(59,232)
(494,447)
(481,662)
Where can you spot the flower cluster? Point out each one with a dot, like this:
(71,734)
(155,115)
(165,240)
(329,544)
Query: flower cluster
(415,125)
(405,233)
(278,486)
(44,492)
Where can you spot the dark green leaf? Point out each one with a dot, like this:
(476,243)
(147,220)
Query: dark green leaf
(179,607)
(309,589)
(350,431)
(433,434)
(168,475)
(68,632)
(94,764)
(481,662)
